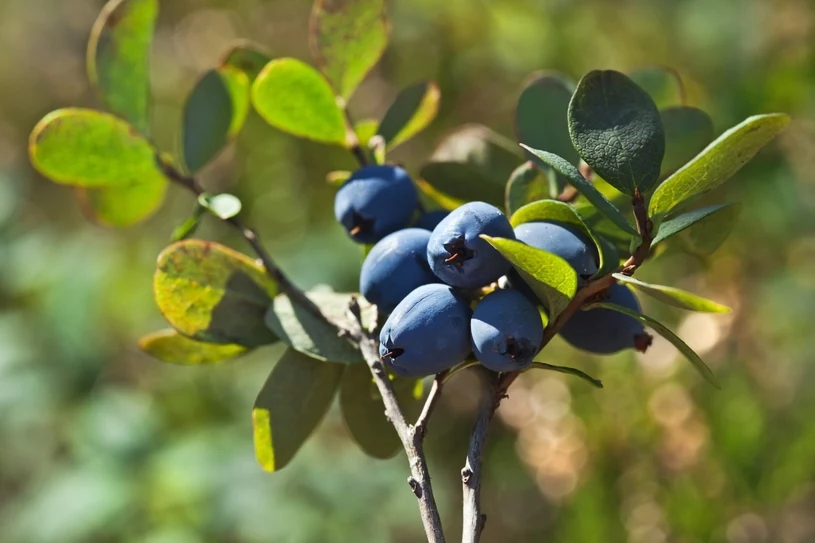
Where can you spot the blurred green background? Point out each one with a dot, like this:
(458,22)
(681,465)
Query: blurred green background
(100,443)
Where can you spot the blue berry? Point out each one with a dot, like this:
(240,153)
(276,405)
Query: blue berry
(506,331)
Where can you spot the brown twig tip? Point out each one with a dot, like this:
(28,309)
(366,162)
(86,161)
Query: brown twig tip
(415,487)
(643,341)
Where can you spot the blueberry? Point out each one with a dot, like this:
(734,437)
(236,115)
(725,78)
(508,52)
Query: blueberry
(375,201)
(456,253)
(605,331)
(431,219)
(396,265)
(506,331)
(428,332)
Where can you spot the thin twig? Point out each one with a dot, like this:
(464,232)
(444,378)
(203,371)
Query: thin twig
(430,403)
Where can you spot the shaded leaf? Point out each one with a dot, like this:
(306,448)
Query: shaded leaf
(583,186)
(660,328)
(616,128)
(527,184)
(89,148)
(717,162)
(299,328)
(214,114)
(597,383)
(677,224)
(461,183)
(119,58)
(541,115)
(687,131)
(294,399)
(171,347)
(550,277)
(223,206)
(247,57)
(211,293)
(709,233)
(123,206)
(348,37)
(414,108)
(663,84)
(294,97)
(673,296)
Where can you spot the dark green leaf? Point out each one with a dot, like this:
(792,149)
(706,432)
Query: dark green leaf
(119,58)
(583,186)
(568,371)
(526,184)
(171,347)
(211,293)
(679,223)
(414,108)
(541,115)
(294,97)
(348,38)
(663,84)
(717,163)
(223,206)
(709,233)
(88,148)
(550,277)
(616,128)
(673,296)
(687,131)
(291,404)
(660,328)
(461,183)
(247,57)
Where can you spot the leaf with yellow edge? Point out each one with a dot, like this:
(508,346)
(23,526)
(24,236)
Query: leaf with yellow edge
(171,347)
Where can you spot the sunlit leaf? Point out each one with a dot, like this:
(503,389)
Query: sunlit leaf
(365,130)
(223,206)
(674,225)
(123,206)
(291,404)
(171,347)
(541,115)
(673,296)
(687,131)
(211,293)
(414,108)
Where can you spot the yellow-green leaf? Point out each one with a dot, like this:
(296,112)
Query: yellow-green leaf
(414,108)
(123,206)
(292,402)
(673,296)
(171,347)
(248,58)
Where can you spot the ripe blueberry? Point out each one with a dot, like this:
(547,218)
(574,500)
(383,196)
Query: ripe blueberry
(396,265)
(431,219)
(456,253)
(605,331)
(506,331)
(375,201)
(428,332)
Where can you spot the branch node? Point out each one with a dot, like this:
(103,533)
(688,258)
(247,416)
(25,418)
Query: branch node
(415,487)
(466,473)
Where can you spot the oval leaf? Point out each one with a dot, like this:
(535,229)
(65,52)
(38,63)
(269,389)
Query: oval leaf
(303,331)
(717,162)
(583,186)
(541,115)
(365,130)
(119,58)
(710,232)
(88,148)
(527,184)
(660,328)
(616,128)
(247,57)
(663,84)
(123,206)
(550,277)
(223,206)
(294,97)
(414,108)
(673,226)
(460,183)
(291,404)
(171,347)
(348,37)
(687,131)
(211,293)
(673,296)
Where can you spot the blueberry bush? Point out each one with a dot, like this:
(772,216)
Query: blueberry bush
(474,262)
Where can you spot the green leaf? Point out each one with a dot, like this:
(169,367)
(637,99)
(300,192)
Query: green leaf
(616,128)
(293,401)
(294,97)
(171,347)
(677,224)
(716,163)
(597,383)
(119,58)
(687,131)
(461,183)
(223,206)
(123,206)
(214,113)
(663,84)
(365,130)
(660,328)
(541,115)
(673,296)
(211,293)
(526,184)
(296,326)
(348,37)
(550,277)
(414,108)
(88,148)
(337,177)
(186,229)
(247,57)
(709,233)
(364,413)
(583,186)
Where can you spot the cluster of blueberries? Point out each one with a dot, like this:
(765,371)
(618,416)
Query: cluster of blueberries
(424,276)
